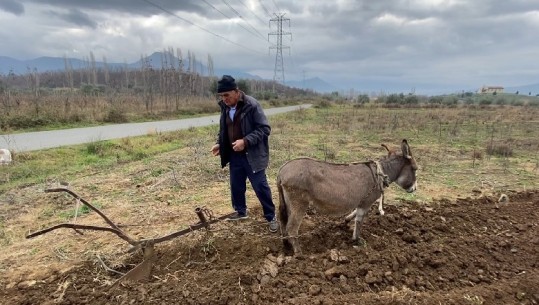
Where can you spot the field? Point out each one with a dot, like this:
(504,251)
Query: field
(451,242)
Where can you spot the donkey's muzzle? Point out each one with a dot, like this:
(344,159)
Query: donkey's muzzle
(412,188)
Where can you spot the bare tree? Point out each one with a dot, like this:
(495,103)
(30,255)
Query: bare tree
(146,71)
(179,84)
(68,72)
(93,69)
(87,69)
(106,71)
(33,84)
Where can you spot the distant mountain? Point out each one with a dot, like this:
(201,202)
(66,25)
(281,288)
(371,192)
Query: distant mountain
(237,74)
(158,59)
(316,84)
(155,60)
(45,64)
(524,89)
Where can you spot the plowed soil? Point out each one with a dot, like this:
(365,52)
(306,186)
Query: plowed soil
(468,251)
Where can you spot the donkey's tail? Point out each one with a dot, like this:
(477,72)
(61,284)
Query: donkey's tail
(283,214)
(283,210)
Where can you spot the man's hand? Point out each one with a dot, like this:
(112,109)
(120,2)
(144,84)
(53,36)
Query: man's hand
(215,150)
(238,145)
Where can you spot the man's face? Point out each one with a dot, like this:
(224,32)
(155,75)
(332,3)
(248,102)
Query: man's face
(230,98)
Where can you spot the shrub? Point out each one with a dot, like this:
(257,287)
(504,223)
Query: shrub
(500,101)
(450,100)
(394,99)
(21,122)
(485,101)
(477,154)
(363,99)
(115,116)
(243,86)
(436,99)
(98,148)
(322,104)
(411,99)
(501,150)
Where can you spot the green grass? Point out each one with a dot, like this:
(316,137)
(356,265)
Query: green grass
(82,209)
(444,141)
(64,163)
(450,144)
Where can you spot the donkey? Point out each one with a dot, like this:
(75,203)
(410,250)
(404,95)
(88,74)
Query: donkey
(336,189)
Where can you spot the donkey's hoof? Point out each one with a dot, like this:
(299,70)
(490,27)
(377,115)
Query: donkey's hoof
(360,242)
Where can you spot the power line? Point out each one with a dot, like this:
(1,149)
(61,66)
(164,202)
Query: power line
(252,12)
(264,8)
(278,10)
(239,15)
(205,30)
(259,35)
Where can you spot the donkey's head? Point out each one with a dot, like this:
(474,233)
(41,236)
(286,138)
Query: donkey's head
(402,167)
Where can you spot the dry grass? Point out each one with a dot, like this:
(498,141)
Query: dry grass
(52,110)
(157,194)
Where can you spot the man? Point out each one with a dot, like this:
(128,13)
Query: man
(243,142)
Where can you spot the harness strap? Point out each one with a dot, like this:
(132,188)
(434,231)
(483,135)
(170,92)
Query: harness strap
(382,179)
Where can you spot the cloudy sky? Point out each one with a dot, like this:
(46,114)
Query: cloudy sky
(369,45)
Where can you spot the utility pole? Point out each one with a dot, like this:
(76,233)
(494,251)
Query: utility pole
(278,75)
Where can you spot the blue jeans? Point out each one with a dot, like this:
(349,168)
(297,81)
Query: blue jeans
(240,171)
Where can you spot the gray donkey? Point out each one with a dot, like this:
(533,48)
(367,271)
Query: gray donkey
(337,189)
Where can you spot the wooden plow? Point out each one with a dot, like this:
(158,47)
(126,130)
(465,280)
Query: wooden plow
(143,270)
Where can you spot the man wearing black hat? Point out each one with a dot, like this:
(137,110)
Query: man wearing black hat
(243,142)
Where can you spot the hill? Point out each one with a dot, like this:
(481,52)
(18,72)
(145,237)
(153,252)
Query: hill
(531,89)
(156,60)
(316,84)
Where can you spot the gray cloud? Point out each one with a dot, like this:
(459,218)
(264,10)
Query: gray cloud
(350,43)
(139,7)
(11,6)
(76,17)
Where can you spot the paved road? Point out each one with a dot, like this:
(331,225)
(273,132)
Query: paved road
(55,138)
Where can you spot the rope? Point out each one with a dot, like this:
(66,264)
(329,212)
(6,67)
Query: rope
(383,181)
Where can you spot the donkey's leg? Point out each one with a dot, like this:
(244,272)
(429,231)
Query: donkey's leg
(297,212)
(350,216)
(285,236)
(380,207)
(284,215)
(360,214)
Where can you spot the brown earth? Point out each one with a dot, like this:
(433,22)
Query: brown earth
(466,251)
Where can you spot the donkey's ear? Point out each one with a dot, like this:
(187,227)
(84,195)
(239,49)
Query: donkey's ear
(406,149)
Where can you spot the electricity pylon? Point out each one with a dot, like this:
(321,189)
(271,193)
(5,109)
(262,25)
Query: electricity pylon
(278,75)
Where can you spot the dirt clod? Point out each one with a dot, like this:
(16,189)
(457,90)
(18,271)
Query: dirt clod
(458,253)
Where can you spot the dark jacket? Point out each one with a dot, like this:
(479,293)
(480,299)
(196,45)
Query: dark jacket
(255,129)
